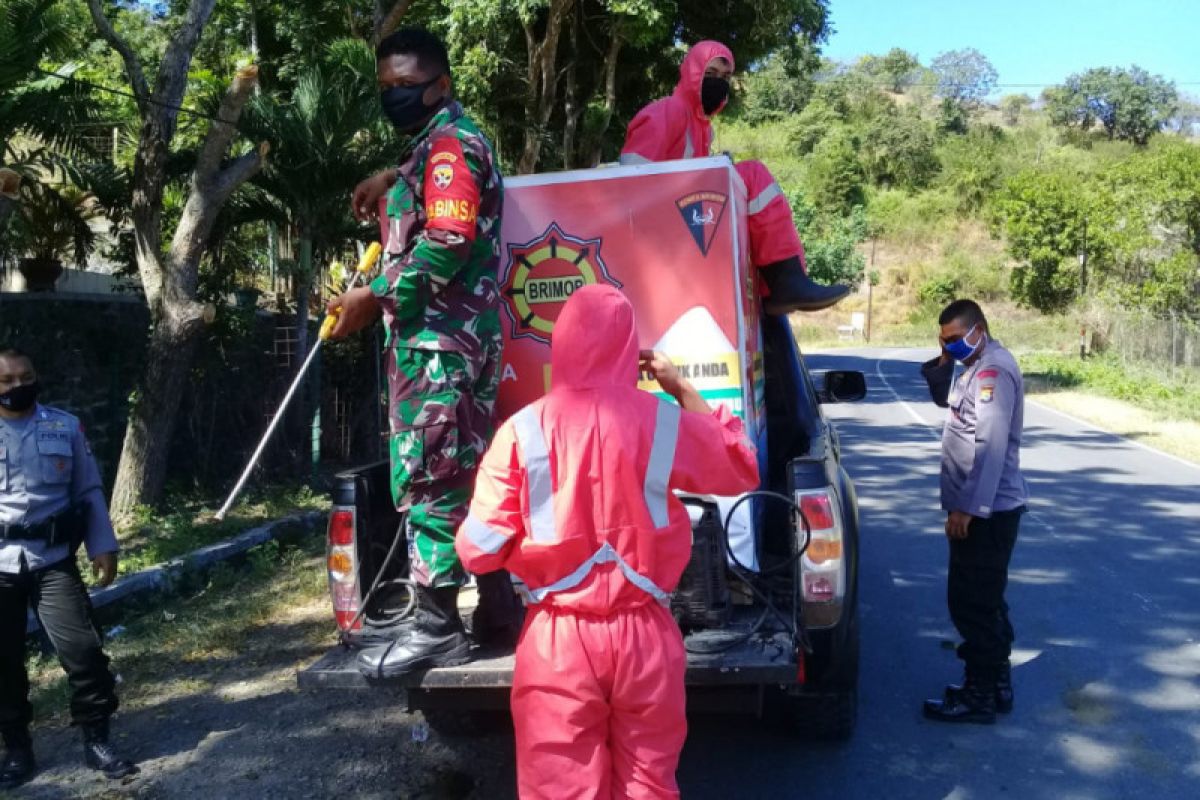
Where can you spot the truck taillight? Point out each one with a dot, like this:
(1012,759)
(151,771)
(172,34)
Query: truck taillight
(341,527)
(341,565)
(817,510)
(823,566)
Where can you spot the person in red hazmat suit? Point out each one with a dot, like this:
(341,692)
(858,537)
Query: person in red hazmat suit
(680,126)
(575,497)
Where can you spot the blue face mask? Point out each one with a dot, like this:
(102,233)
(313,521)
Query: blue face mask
(962,350)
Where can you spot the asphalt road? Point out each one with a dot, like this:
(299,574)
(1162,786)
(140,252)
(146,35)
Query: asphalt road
(1105,597)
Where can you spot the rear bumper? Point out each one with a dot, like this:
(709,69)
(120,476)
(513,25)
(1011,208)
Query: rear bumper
(759,660)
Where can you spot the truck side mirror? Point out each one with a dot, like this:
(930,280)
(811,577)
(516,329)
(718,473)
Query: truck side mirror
(841,386)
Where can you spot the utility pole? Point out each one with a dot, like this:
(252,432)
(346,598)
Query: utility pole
(1083,278)
(870,292)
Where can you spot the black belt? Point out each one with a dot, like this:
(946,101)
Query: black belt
(65,527)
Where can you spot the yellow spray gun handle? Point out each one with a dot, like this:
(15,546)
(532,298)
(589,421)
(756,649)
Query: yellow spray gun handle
(365,265)
(369,257)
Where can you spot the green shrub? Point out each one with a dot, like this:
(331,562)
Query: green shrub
(939,290)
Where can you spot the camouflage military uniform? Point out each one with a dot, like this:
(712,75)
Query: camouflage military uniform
(440,301)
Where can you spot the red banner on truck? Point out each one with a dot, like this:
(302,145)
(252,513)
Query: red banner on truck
(671,236)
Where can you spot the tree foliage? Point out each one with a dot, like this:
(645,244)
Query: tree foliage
(830,239)
(1153,227)
(835,178)
(1186,119)
(971,168)
(1129,104)
(1044,218)
(896,70)
(897,149)
(40,114)
(1012,106)
(781,86)
(1130,232)
(965,76)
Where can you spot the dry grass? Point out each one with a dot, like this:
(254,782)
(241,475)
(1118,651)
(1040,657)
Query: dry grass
(187,643)
(1178,437)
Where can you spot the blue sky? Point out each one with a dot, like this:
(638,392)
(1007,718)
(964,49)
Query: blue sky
(1037,42)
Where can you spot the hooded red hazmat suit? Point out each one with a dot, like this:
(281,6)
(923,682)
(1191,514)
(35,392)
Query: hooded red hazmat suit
(574,496)
(677,127)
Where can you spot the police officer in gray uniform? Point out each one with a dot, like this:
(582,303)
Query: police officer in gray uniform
(984,497)
(51,501)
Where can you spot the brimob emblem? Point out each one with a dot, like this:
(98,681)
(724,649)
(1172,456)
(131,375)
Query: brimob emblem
(542,274)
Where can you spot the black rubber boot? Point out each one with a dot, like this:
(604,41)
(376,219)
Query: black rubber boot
(437,639)
(17,768)
(975,702)
(102,756)
(497,620)
(1004,689)
(792,289)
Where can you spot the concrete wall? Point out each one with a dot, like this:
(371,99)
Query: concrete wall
(72,281)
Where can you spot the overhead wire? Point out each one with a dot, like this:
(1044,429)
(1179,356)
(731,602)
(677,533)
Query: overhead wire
(136,97)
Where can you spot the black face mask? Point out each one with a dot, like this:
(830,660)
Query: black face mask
(20,398)
(713,92)
(405,105)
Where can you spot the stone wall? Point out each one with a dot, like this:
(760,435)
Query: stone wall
(90,351)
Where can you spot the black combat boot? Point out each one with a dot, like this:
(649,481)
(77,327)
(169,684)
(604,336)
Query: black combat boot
(437,639)
(100,755)
(1004,689)
(18,765)
(974,702)
(792,289)
(497,620)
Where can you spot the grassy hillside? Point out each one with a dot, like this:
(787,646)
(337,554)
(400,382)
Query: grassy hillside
(927,244)
(942,234)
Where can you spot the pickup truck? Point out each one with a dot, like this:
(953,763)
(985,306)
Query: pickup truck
(781,643)
(768,602)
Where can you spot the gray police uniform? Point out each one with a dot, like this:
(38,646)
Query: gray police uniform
(981,476)
(45,466)
(46,469)
(981,443)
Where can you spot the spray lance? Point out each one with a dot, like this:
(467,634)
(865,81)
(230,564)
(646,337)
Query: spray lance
(365,264)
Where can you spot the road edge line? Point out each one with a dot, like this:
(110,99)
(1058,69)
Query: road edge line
(1107,432)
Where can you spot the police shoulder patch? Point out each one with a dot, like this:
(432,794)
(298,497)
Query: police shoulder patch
(986,392)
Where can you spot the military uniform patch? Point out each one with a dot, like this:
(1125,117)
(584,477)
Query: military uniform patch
(451,195)
(443,176)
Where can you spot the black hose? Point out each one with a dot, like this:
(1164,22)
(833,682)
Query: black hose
(774,496)
(344,635)
(794,626)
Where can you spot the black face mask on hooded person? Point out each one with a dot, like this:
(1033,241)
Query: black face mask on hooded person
(713,92)
(405,105)
(20,398)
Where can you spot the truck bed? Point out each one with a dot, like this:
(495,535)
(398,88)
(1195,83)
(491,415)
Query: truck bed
(759,659)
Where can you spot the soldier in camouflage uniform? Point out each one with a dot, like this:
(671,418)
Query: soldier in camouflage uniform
(439,298)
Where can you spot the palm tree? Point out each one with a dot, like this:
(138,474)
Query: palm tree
(325,137)
(39,113)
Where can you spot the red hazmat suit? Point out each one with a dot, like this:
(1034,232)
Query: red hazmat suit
(575,497)
(677,127)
